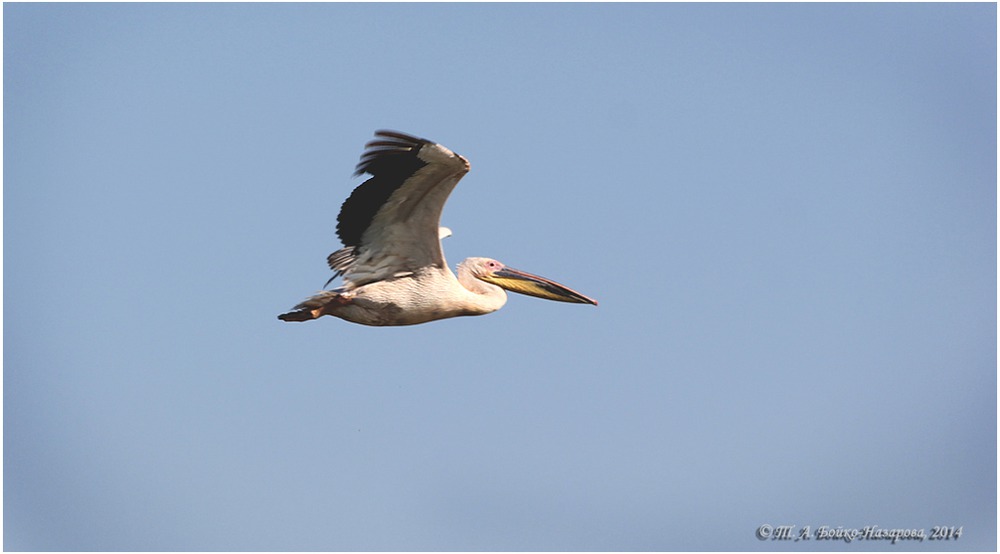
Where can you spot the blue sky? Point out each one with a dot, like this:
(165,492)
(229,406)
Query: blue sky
(787,213)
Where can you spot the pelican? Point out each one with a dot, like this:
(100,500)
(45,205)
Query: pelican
(392,266)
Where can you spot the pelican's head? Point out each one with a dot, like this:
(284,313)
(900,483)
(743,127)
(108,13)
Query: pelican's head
(495,273)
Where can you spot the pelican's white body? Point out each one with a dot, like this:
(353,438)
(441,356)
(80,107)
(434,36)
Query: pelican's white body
(425,295)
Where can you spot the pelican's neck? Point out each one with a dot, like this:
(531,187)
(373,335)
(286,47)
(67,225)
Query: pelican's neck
(484,297)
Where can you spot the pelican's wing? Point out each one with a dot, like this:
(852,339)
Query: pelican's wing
(341,260)
(390,224)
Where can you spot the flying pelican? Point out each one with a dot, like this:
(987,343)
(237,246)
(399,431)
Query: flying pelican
(393,268)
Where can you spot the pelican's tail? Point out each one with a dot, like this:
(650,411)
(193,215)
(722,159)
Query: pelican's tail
(299,315)
(314,306)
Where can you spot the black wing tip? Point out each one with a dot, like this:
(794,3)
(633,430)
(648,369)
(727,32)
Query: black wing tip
(398,135)
(386,145)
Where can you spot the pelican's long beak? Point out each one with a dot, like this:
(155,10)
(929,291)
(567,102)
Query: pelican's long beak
(533,285)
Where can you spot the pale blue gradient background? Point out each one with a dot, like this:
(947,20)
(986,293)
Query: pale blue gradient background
(787,212)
